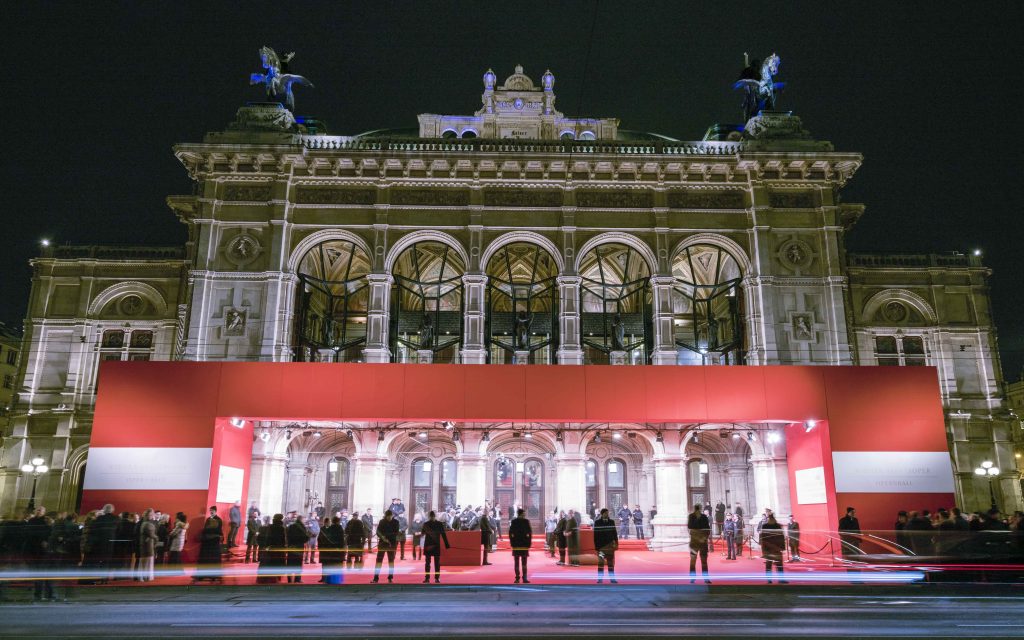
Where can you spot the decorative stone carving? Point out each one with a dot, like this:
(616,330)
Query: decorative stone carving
(131,305)
(690,199)
(318,195)
(615,199)
(894,311)
(803,327)
(430,197)
(247,193)
(796,254)
(791,200)
(234,322)
(264,116)
(522,198)
(243,249)
(775,125)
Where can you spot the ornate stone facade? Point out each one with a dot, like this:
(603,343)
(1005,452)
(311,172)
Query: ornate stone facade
(508,247)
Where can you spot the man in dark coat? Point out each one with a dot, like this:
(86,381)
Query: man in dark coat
(638,522)
(572,538)
(433,532)
(369,526)
(773,542)
(719,517)
(252,531)
(849,532)
(387,542)
(36,552)
(332,550)
(234,524)
(560,540)
(700,531)
(273,542)
(793,537)
(520,536)
(606,541)
(919,526)
(211,537)
(485,533)
(625,518)
(101,539)
(729,533)
(355,541)
(297,535)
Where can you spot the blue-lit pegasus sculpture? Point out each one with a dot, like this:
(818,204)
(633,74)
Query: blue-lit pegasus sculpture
(276,80)
(759,87)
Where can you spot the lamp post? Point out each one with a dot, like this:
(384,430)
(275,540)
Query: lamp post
(989,470)
(36,468)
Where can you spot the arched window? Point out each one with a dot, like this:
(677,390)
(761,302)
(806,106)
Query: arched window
(337,486)
(590,475)
(449,483)
(422,482)
(333,300)
(426,312)
(449,134)
(706,304)
(567,135)
(588,135)
(504,484)
(615,304)
(697,481)
(522,304)
(615,470)
(533,492)
(468,133)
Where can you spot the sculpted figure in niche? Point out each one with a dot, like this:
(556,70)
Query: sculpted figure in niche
(234,322)
(801,328)
(426,332)
(795,253)
(618,333)
(522,330)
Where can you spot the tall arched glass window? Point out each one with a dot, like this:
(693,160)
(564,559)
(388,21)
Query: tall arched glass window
(522,304)
(337,486)
(617,497)
(706,304)
(422,481)
(426,310)
(590,477)
(697,482)
(615,304)
(449,483)
(333,299)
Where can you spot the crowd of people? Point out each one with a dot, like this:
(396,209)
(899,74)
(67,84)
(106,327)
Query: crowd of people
(102,545)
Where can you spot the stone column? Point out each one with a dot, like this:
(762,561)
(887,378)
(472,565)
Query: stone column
(670,532)
(771,484)
(570,351)
(664,334)
(471,479)
(368,477)
(266,483)
(572,488)
(474,350)
(378,318)
(295,489)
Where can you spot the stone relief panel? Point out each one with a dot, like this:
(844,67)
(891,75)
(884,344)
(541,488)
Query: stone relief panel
(244,248)
(796,254)
(615,199)
(247,192)
(699,199)
(430,197)
(522,198)
(323,195)
(791,200)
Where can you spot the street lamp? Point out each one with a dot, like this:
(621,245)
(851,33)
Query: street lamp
(36,468)
(989,470)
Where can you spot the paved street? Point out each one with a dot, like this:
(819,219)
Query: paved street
(531,611)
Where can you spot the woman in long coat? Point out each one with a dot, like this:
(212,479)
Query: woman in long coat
(332,557)
(272,541)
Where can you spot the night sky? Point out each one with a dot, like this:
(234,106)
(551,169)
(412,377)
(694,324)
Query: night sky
(929,93)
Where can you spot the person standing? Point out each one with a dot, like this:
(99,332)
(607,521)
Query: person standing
(572,538)
(176,540)
(793,539)
(772,541)
(355,541)
(433,535)
(720,517)
(296,537)
(234,524)
(625,517)
(147,547)
(273,540)
(485,533)
(653,512)
(729,533)
(700,531)
(313,526)
(332,551)
(638,522)
(560,540)
(368,525)
(606,541)
(210,540)
(252,532)
(520,537)
(416,529)
(549,532)
(387,542)
(403,526)
(849,532)
(36,553)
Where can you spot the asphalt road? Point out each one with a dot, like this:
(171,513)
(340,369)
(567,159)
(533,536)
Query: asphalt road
(384,611)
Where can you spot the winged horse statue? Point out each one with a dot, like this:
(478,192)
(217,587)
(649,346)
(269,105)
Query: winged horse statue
(275,80)
(759,87)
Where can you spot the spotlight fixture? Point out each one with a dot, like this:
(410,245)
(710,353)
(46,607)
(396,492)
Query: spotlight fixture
(516,434)
(317,434)
(558,436)
(750,436)
(809,424)
(448,425)
(237,422)
(696,438)
(597,438)
(487,436)
(659,438)
(288,434)
(349,433)
(774,437)
(44,242)
(265,436)
(735,436)
(616,436)
(380,436)
(455,436)
(977,252)
(631,434)
(423,434)
(528,435)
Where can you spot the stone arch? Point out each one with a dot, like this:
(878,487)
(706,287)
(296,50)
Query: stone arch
(522,236)
(921,305)
(617,237)
(722,242)
(318,237)
(399,442)
(541,444)
(425,235)
(147,291)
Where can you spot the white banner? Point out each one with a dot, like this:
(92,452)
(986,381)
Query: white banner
(810,486)
(148,468)
(229,483)
(892,471)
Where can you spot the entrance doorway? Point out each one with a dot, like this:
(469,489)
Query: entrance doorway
(522,484)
